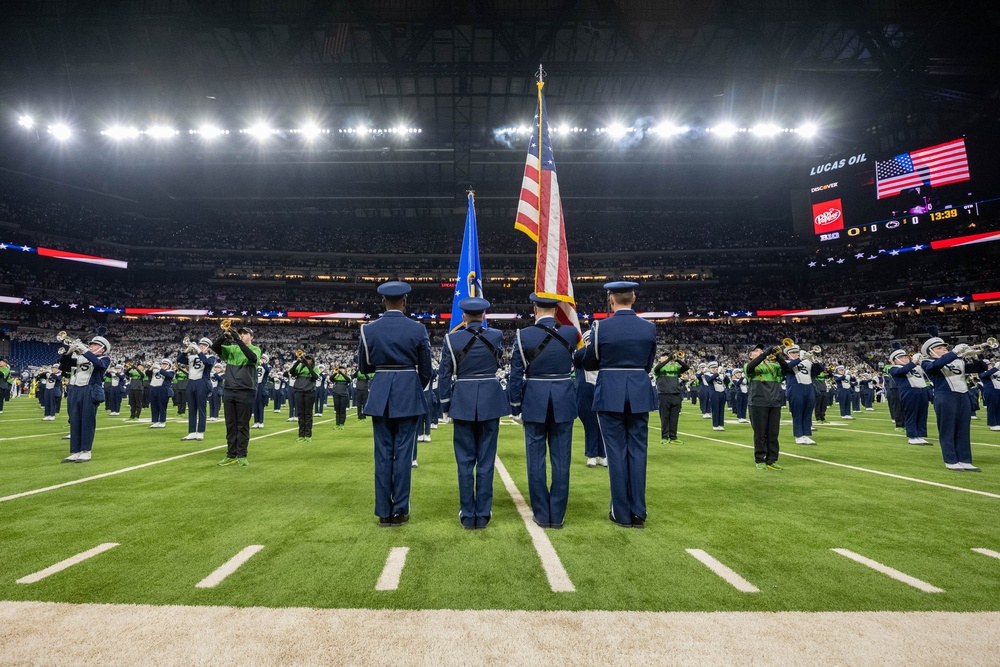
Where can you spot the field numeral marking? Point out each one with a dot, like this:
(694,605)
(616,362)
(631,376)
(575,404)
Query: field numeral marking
(389,581)
(230,566)
(738,582)
(889,572)
(69,562)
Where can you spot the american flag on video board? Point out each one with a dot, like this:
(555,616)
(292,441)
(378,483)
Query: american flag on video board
(540,216)
(934,166)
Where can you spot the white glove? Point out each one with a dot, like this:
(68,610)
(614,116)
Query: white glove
(518,420)
(916,358)
(79,347)
(961,349)
(586,336)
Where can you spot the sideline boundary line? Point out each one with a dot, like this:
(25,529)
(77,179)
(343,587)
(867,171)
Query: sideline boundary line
(559,580)
(140,466)
(844,465)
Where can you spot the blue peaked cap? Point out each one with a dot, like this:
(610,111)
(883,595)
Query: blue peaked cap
(394,289)
(543,301)
(473,304)
(620,286)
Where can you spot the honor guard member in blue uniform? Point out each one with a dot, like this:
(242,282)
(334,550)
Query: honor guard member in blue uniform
(801,392)
(951,402)
(472,396)
(717,383)
(52,400)
(84,393)
(159,387)
(396,349)
(623,348)
(586,381)
(261,392)
(199,363)
(913,395)
(543,398)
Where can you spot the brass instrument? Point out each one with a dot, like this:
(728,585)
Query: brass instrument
(787,342)
(226,324)
(299,354)
(187,341)
(64,338)
(62,350)
(991,344)
(679,354)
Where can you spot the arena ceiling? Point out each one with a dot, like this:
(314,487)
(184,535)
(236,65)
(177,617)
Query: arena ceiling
(871,73)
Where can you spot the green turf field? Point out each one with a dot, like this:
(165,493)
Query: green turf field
(310,506)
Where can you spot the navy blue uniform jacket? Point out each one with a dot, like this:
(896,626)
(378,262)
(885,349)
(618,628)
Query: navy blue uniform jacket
(471,391)
(397,350)
(623,348)
(537,383)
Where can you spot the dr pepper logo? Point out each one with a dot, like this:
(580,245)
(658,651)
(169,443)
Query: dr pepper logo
(828,216)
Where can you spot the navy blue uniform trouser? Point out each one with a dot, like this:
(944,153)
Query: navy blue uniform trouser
(158,403)
(741,405)
(237,405)
(321,400)
(52,403)
(954,413)
(844,400)
(197,398)
(913,405)
(703,400)
(115,399)
(892,397)
(395,438)
(625,437)
(82,419)
(548,504)
(801,402)
(214,403)
(992,400)
(476,453)
(260,401)
(670,412)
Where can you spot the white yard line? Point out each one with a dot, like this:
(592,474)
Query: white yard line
(389,581)
(69,562)
(900,435)
(554,570)
(844,465)
(230,566)
(988,552)
(63,432)
(140,466)
(889,572)
(737,582)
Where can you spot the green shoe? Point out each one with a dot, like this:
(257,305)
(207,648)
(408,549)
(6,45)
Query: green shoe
(242,461)
(227,462)
(309,439)
(663,442)
(300,439)
(774,466)
(761,466)
(675,441)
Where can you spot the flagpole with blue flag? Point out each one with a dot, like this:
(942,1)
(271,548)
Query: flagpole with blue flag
(470,275)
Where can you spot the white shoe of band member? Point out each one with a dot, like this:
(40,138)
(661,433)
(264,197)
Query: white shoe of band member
(705,415)
(807,440)
(847,417)
(924,441)
(915,441)
(72,458)
(435,426)
(414,465)
(592,462)
(955,466)
(190,436)
(870,409)
(278,410)
(199,436)
(602,461)
(968,466)
(84,456)
(800,441)
(292,419)
(718,428)
(995,428)
(427,438)
(67,436)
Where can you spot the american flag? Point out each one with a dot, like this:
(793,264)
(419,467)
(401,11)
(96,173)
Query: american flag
(335,39)
(934,166)
(540,216)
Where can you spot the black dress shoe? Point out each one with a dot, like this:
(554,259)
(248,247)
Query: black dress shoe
(400,519)
(611,517)
(556,526)
(638,523)
(540,524)
(385,522)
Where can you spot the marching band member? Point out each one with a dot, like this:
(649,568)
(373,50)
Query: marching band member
(84,393)
(261,392)
(543,399)
(668,374)
(159,383)
(765,377)
(623,348)
(472,396)
(914,396)
(117,390)
(717,384)
(951,402)
(891,389)
(340,381)
(215,392)
(236,348)
(867,390)
(322,390)
(136,375)
(397,350)
(991,395)
(801,393)
(843,382)
(198,362)
(362,383)
(304,386)
(586,382)
(53,393)
(704,392)
(742,389)
(6,385)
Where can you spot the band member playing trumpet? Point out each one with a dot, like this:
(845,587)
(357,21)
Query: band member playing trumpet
(159,384)
(340,380)
(951,402)
(87,363)
(668,374)
(199,363)
(801,392)
(53,393)
(304,377)
(236,348)
(914,396)
(262,391)
(765,371)
(842,381)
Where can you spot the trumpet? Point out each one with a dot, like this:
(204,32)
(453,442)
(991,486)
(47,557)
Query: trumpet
(679,354)
(299,354)
(991,344)
(187,341)
(63,337)
(62,350)
(787,342)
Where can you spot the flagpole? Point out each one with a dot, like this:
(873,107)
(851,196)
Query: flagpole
(540,75)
